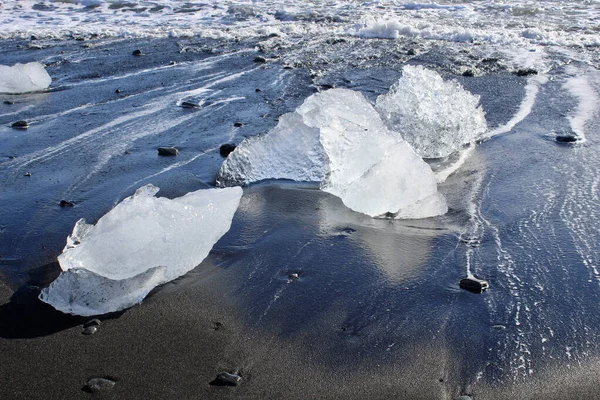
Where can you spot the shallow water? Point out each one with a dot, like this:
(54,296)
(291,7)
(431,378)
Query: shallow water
(523,208)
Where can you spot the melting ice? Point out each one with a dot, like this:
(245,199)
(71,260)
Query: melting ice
(143,242)
(23,78)
(338,138)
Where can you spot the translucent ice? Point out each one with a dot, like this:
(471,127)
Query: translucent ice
(435,116)
(23,78)
(338,138)
(141,243)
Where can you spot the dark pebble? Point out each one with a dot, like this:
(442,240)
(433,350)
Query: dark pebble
(411,52)
(20,125)
(226,379)
(566,138)
(167,151)
(288,67)
(474,285)
(93,322)
(27,174)
(90,330)
(293,277)
(96,385)
(469,73)
(189,104)
(259,59)
(327,86)
(226,149)
(257,90)
(217,325)
(33,37)
(238,124)
(66,203)
(172,63)
(118,91)
(8,102)
(526,72)
(137,52)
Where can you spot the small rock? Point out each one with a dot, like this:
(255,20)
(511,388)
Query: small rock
(526,72)
(80,39)
(93,322)
(326,86)
(217,325)
(167,151)
(137,52)
(8,102)
(566,138)
(118,91)
(90,330)
(257,90)
(294,276)
(226,379)
(288,67)
(469,73)
(127,152)
(464,398)
(96,385)
(172,63)
(27,174)
(259,59)
(238,124)
(66,203)
(474,285)
(189,104)
(411,52)
(226,149)
(20,125)
(33,37)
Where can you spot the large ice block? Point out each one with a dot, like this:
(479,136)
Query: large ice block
(143,242)
(435,116)
(23,78)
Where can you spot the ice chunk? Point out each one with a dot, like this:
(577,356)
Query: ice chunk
(23,78)
(338,138)
(141,243)
(435,116)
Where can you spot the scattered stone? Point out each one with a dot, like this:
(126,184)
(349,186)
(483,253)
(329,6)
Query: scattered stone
(288,67)
(326,86)
(96,385)
(27,174)
(80,39)
(238,124)
(137,52)
(217,325)
(33,37)
(172,63)
(127,152)
(226,379)
(20,125)
(257,90)
(474,285)
(464,398)
(9,102)
(526,72)
(12,157)
(66,203)
(35,47)
(294,276)
(259,59)
(167,151)
(93,322)
(189,104)
(411,52)
(469,73)
(226,149)
(566,138)
(90,330)
(118,91)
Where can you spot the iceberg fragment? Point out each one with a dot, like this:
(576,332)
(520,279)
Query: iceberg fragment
(338,138)
(143,242)
(435,116)
(23,78)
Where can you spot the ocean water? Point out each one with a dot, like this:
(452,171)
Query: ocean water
(523,211)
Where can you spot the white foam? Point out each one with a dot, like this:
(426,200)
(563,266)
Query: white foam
(580,88)
(143,242)
(24,78)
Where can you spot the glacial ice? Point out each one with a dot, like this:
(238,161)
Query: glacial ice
(23,78)
(435,116)
(338,138)
(143,242)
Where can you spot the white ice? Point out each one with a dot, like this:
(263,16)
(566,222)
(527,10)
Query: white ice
(143,242)
(338,138)
(435,116)
(23,78)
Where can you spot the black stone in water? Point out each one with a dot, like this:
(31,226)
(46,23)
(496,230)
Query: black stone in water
(167,151)
(474,285)
(526,72)
(8,102)
(468,73)
(566,138)
(20,125)
(226,379)
(66,203)
(137,52)
(90,330)
(257,90)
(27,174)
(118,91)
(238,124)
(96,385)
(226,149)
(259,59)
(189,104)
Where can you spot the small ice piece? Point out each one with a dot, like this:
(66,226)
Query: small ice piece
(337,137)
(23,78)
(435,116)
(143,242)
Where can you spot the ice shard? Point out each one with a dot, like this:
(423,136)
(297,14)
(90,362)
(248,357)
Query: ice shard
(435,116)
(143,242)
(23,78)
